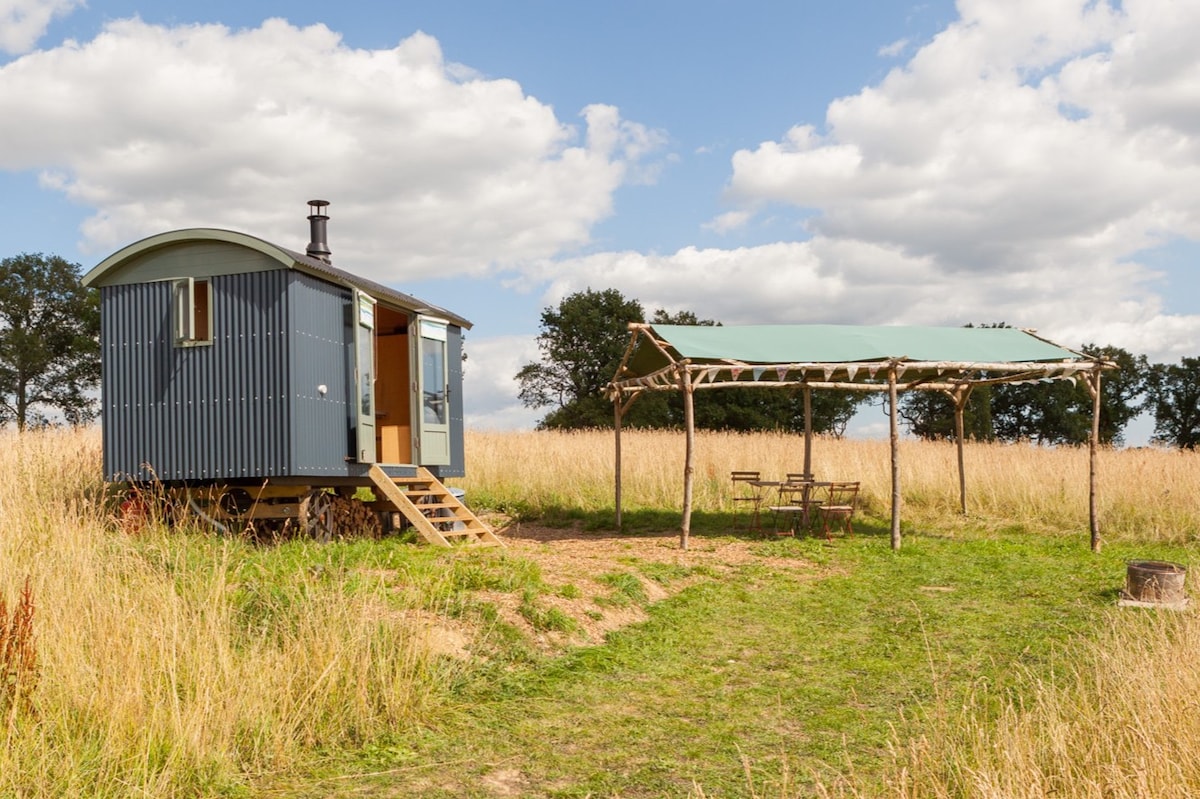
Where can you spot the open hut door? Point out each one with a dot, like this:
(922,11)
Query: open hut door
(433,388)
(364,376)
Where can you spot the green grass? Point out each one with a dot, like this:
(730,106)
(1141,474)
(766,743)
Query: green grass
(802,673)
(626,588)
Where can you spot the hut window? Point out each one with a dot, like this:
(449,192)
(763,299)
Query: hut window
(192,311)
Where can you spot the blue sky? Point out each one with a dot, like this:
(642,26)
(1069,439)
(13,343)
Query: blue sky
(1028,161)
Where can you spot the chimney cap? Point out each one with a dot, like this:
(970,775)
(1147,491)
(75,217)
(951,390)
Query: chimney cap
(317,220)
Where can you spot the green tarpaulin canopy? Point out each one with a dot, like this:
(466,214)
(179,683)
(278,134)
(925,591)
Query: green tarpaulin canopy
(831,356)
(785,344)
(688,358)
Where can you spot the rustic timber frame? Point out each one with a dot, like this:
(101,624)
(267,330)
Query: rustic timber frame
(690,359)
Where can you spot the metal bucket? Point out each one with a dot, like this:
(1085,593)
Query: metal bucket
(1155,581)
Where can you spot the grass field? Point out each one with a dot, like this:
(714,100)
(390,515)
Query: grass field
(987,658)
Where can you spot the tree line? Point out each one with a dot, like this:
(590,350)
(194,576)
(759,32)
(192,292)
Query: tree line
(583,339)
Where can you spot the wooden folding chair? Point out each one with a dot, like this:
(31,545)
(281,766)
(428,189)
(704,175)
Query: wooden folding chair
(794,504)
(838,506)
(748,495)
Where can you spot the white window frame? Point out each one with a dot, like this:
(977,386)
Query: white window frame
(187,294)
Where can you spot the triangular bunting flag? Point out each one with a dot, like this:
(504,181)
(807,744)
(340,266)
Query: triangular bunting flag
(758,372)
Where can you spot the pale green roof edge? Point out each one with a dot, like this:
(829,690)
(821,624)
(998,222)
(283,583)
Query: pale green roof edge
(160,240)
(286,258)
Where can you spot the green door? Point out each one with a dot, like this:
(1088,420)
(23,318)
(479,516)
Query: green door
(432,401)
(364,376)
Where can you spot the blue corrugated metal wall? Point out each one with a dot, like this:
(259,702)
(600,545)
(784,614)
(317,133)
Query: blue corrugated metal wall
(217,411)
(322,354)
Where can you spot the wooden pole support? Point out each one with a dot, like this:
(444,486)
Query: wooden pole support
(1093,384)
(960,405)
(894,428)
(689,466)
(808,431)
(617,457)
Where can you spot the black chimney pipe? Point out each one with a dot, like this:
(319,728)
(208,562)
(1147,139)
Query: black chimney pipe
(317,218)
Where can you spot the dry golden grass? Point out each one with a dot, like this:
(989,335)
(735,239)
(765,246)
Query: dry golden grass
(1118,721)
(1149,494)
(149,684)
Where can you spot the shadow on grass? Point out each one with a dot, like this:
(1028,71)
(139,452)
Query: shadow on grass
(567,523)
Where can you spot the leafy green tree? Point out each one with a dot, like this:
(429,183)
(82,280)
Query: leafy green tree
(581,342)
(832,410)
(1174,396)
(49,342)
(930,414)
(747,409)
(1060,411)
(1050,412)
(664,317)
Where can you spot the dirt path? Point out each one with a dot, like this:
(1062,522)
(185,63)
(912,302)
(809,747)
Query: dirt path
(573,562)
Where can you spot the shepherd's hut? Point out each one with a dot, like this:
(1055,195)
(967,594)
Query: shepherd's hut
(263,386)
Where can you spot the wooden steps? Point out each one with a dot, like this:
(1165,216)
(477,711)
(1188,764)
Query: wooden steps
(433,511)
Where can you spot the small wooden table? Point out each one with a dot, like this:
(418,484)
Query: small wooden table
(788,504)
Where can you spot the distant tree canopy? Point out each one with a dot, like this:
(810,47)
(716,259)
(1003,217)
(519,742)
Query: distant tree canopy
(582,342)
(1173,393)
(49,342)
(930,414)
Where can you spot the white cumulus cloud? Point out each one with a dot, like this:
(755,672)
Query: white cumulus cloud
(1013,169)
(429,168)
(22,22)
(490,392)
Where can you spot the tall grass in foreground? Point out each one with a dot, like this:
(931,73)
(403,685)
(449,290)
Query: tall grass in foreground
(1117,721)
(164,667)
(176,663)
(1147,494)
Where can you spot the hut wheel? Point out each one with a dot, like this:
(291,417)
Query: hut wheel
(236,502)
(316,515)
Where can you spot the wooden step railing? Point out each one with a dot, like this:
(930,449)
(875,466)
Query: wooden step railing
(431,508)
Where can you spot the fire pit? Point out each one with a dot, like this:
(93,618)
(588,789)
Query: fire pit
(1154,583)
